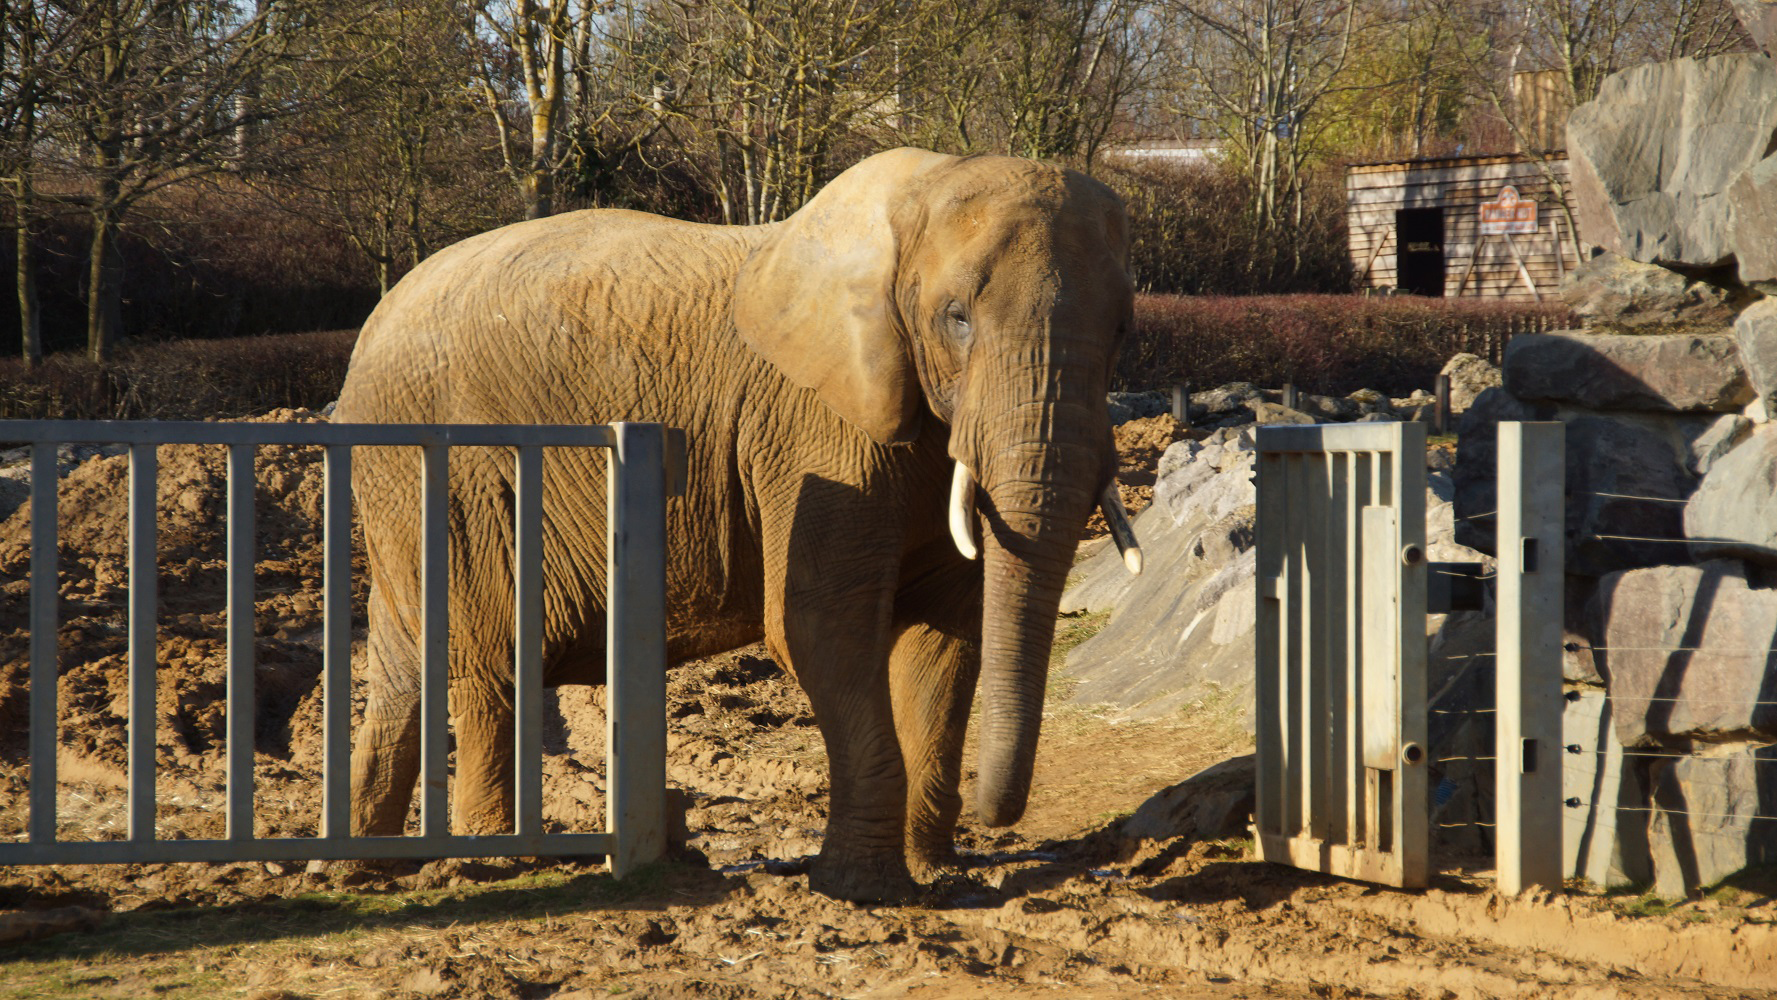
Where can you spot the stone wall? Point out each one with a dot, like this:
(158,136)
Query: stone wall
(1671,474)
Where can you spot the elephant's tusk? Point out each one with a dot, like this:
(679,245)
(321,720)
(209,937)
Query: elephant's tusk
(1121,530)
(962,512)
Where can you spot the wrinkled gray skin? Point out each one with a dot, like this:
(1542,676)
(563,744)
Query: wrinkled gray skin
(829,370)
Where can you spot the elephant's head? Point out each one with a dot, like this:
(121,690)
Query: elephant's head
(994,293)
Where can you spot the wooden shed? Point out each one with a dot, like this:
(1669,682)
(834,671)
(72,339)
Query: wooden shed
(1473,225)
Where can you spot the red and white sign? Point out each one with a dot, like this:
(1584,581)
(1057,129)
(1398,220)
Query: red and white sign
(1508,214)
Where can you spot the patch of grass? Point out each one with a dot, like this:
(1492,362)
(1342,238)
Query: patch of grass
(1073,628)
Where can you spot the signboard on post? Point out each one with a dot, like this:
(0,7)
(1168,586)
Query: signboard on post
(1508,214)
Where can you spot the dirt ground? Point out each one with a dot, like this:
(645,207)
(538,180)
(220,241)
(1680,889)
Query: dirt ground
(1064,904)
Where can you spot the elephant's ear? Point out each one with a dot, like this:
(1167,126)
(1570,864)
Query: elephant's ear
(817,298)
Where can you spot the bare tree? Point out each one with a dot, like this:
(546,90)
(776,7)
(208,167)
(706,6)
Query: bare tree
(155,99)
(39,41)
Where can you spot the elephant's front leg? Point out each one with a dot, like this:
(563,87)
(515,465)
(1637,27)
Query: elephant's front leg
(933,678)
(828,619)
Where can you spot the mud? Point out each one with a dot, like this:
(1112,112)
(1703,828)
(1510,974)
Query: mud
(1063,904)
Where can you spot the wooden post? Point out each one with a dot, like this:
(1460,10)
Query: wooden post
(1441,413)
(1527,723)
(1181,404)
(1290,396)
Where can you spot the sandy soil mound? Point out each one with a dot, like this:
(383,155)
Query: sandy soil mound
(1067,903)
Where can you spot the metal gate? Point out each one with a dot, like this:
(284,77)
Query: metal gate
(642,456)
(1343,584)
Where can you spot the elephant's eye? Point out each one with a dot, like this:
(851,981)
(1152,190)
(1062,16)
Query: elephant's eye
(958,323)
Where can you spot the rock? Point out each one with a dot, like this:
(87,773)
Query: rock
(1628,476)
(1325,409)
(1689,652)
(1720,438)
(1370,401)
(1277,413)
(1752,215)
(1653,154)
(1613,293)
(1759,17)
(1212,804)
(1674,372)
(1600,836)
(1222,401)
(1127,406)
(1756,333)
(1469,377)
(1732,512)
(1705,826)
(1379,417)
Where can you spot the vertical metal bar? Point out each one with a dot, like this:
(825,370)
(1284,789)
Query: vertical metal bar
(44,594)
(434,640)
(1527,723)
(1335,636)
(1267,712)
(636,644)
(1181,404)
(336,643)
(240,641)
(1297,743)
(1361,463)
(1412,815)
(1316,585)
(527,634)
(143,606)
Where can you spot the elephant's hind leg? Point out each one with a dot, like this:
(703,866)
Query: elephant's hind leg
(386,755)
(932,676)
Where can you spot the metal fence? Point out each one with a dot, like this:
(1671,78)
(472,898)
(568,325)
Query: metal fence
(1344,588)
(636,746)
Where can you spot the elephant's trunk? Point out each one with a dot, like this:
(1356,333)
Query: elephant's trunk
(1038,495)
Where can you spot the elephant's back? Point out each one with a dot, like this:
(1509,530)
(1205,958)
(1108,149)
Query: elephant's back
(503,326)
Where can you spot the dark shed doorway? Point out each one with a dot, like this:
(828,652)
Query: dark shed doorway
(1419,238)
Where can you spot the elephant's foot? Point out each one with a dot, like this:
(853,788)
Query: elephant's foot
(867,880)
(929,862)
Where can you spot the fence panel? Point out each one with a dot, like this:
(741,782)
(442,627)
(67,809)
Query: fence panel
(1341,650)
(646,461)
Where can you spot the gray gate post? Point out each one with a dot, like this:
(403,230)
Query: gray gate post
(1527,727)
(635,668)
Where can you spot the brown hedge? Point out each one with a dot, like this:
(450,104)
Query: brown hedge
(1321,343)
(182,379)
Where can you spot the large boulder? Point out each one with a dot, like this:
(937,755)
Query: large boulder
(1653,155)
(1756,332)
(1691,653)
(1628,477)
(1184,627)
(1672,372)
(1605,797)
(1613,293)
(1759,17)
(1712,817)
(1734,512)
(1470,376)
(1752,226)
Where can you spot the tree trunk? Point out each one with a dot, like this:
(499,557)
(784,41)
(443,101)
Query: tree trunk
(30,317)
(104,291)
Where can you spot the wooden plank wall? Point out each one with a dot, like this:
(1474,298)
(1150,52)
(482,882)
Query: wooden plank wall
(1375,192)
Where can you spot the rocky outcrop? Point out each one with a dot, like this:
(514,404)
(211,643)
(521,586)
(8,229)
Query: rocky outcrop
(1735,511)
(1755,332)
(1469,377)
(1677,372)
(1613,293)
(1712,817)
(1654,154)
(1691,652)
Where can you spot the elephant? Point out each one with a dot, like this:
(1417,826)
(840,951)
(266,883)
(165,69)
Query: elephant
(894,402)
